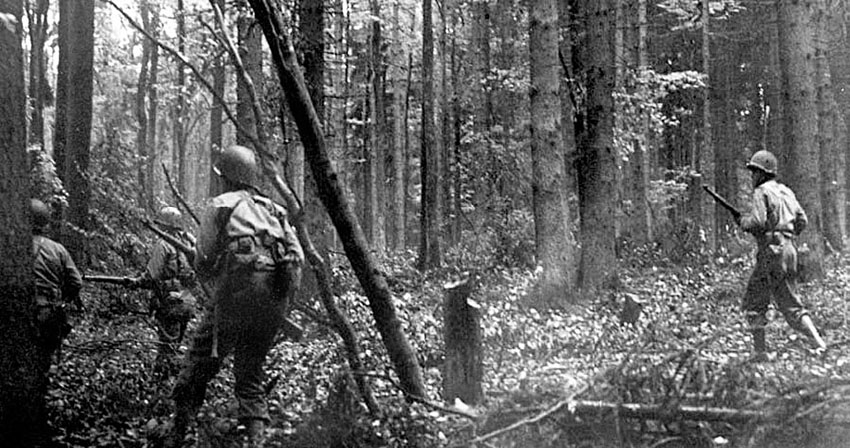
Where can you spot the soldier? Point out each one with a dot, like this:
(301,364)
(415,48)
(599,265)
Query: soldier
(57,283)
(775,219)
(248,249)
(170,277)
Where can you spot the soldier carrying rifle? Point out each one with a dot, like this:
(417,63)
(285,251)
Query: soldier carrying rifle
(775,219)
(170,278)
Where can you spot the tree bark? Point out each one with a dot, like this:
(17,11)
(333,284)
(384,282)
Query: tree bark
(366,269)
(61,87)
(152,139)
(377,131)
(551,213)
(22,392)
(179,133)
(430,251)
(597,164)
(216,117)
(251,52)
(800,104)
(142,113)
(397,240)
(706,158)
(39,91)
(463,368)
(79,121)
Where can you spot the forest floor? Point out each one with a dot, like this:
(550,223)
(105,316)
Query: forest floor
(544,369)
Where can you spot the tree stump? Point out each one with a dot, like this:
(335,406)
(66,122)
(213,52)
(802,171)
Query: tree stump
(463,369)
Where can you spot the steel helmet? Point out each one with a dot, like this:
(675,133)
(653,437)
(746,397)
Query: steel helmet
(171,216)
(238,165)
(764,161)
(39,214)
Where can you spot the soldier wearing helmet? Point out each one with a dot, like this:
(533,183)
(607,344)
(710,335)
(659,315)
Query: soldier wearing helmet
(170,277)
(248,248)
(57,284)
(775,219)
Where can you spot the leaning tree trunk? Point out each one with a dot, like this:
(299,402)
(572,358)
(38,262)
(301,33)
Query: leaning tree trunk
(22,398)
(366,268)
(798,55)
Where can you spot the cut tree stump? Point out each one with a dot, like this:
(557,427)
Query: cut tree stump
(463,369)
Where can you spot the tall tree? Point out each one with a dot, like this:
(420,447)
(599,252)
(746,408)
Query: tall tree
(800,103)
(22,400)
(377,132)
(706,158)
(39,90)
(78,116)
(179,133)
(594,59)
(152,138)
(397,235)
(216,115)
(430,252)
(61,86)
(145,184)
(551,214)
(251,52)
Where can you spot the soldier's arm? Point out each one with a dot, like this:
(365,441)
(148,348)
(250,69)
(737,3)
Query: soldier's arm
(73,280)
(800,220)
(209,241)
(755,220)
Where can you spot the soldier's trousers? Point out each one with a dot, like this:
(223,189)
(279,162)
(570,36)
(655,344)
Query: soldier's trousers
(774,278)
(171,321)
(248,321)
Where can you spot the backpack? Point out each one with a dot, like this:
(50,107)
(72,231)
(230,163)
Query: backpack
(255,234)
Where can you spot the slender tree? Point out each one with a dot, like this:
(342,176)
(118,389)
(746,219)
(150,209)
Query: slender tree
(216,115)
(708,208)
(39,90)
(430,252)
(22,398)
(179,132)
(397,235)
(250,50)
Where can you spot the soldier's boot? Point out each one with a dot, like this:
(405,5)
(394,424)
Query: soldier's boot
(759,344)
(255,431)
(812,333)
(175,435)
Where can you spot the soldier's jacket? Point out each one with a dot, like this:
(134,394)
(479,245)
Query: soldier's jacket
(238,216)
(774,209)
(56,276)
(168,268)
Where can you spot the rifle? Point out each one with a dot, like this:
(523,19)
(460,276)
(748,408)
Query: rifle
(723,202)
(110,279)
(171,239)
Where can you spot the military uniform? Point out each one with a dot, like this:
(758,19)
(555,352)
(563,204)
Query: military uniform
(169,275)
(57,282)
(775,218)
(247,247)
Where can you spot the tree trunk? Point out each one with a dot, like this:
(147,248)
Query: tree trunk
(551,213)
(706,158)
(179,157)
(397,240)
(153,108)
(800,104)
(643,168)
(377,131)
(369,274)
(61,87)
(79,121)
(597,164)
(430,252)
(446,139)
(216,117)
(142,113)
(463,368)
(22,383)
(38,88)
(251,52)
(832,193)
